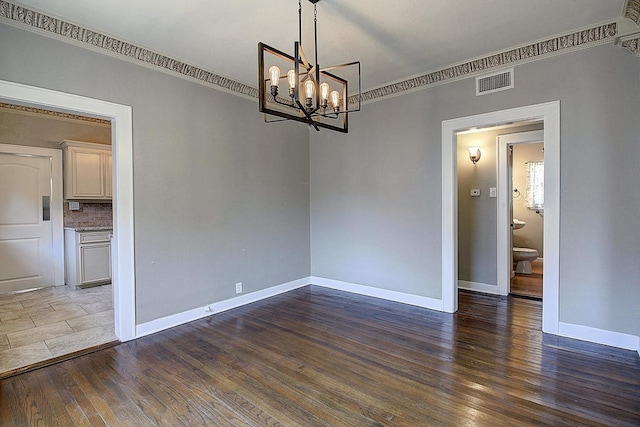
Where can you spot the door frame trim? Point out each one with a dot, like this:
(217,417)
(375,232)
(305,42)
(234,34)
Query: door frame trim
(57,223)
(549,113)
(123,220)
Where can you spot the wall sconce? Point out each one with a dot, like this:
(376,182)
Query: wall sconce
(474,154)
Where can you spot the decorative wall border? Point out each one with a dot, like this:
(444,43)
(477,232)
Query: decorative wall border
(53,113)
(632,45)
(633,11)
(593,36)
(69,31)
(62,30)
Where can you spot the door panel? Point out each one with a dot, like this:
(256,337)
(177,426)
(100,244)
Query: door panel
(26,248)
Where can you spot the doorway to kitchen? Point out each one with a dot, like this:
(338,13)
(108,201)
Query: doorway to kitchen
(120,117)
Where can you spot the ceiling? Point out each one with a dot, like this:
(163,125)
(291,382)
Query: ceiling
(392,39)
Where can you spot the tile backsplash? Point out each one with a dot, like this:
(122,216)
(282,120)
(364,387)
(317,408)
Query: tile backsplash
(89,215)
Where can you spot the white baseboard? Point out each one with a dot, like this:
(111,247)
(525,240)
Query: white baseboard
(417,300)
(216,307)
(599,336)
(478,287)
(585,333)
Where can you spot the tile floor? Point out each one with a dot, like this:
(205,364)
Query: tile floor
(51,322)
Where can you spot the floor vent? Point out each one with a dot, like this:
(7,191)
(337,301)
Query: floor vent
(494,82)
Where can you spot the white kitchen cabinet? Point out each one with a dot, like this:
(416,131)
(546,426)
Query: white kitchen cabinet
(87,257)
(87,171)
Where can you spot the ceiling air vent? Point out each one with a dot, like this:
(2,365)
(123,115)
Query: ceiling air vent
(494,82)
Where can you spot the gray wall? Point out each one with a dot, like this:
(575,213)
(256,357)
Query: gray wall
(376,192)
(477,216)
(220,197)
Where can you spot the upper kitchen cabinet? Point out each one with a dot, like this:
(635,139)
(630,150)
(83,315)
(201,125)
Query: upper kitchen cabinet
(87,171)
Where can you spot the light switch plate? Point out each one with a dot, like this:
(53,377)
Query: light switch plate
(492,192)
(475,192)
(74,206)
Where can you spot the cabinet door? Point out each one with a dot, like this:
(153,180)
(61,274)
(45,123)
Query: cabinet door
(95,261)
(87,176)
(108,176)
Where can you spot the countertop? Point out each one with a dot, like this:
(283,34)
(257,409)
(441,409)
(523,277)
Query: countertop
(95,228)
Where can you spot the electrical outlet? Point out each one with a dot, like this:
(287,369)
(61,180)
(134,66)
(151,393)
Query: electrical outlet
(239,288)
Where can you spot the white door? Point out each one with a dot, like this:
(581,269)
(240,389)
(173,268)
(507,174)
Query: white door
(26,233)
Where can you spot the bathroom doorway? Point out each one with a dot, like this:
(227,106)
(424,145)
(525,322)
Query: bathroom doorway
(525,183)
(549,114)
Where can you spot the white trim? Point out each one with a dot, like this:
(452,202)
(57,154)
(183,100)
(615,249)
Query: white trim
(485,288)
(370,291)
(57,221)
(504,255)
(599,336)
(174,320)
(550,114)
(122,145)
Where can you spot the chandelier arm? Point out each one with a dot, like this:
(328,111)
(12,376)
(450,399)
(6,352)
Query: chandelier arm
(287,104)
(308,115)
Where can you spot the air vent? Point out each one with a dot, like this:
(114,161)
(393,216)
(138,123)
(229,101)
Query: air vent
(494,82)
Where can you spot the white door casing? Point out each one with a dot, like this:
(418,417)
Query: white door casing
(31,239)
(122,144)
(549,114)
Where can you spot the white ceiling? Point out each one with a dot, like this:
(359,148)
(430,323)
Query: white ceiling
(392,39)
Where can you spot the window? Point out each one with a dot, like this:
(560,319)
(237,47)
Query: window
(535,185)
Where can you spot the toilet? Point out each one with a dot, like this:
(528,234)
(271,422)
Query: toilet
(523,257)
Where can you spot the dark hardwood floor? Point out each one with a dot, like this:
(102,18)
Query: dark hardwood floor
(316,356)
(528,285)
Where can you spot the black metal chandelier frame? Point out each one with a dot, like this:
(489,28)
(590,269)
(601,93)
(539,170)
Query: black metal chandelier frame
(315,110)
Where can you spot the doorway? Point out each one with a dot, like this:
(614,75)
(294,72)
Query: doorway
(122,145)
(521,185)
(549,115)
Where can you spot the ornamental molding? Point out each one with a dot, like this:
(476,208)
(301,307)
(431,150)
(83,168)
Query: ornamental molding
(59,29)
(543,49)
(66,31)
(632,45)
(56,114)
(633,11)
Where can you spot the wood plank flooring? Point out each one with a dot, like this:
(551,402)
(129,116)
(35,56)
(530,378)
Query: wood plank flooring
(320,357)
(528,285)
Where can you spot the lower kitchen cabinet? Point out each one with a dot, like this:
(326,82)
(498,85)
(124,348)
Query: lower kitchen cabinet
(87,257)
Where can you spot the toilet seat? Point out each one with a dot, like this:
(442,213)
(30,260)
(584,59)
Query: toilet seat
(525,250)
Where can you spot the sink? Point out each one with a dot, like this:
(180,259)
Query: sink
(517,224)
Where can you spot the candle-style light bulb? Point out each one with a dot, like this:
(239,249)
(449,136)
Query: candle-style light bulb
(335,100)
(309,89)
(274,74)
(324,94)
(291,78)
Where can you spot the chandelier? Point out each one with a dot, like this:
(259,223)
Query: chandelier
(316,96)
